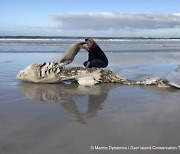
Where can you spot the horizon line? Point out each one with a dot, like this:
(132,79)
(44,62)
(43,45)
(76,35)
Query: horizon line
(95,37)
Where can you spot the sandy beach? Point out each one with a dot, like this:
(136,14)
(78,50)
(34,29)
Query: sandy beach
(68,118)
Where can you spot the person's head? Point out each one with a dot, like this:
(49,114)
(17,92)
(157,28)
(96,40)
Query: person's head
(90,42)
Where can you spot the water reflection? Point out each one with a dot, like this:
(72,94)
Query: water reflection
(69,96)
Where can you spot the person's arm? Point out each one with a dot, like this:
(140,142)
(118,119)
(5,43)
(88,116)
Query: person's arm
(84,47)
(88,64)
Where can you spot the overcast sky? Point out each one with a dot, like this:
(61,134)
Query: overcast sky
(120,18)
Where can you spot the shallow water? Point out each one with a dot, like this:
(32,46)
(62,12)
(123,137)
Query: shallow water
(50,44)
(68,118)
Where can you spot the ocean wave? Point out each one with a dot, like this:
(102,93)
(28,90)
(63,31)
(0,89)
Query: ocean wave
(106,51)
(60,44)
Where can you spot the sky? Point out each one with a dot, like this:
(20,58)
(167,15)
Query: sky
(98,18)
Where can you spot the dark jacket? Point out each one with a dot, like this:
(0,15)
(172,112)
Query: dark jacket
(96,53)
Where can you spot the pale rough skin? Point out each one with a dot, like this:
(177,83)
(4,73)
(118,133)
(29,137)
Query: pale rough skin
(71,52)
(52,72)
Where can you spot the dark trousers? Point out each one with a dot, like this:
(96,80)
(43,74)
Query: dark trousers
(96,63)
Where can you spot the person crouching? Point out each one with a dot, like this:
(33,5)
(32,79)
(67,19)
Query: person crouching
(96,57)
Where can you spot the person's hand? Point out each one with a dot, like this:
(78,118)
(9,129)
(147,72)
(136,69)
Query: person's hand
(81,46)
(88,64)
(84,47)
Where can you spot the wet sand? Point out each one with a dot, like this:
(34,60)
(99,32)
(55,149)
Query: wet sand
(68,118)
